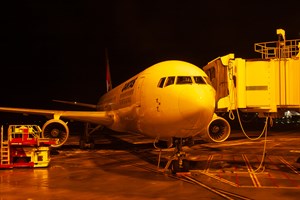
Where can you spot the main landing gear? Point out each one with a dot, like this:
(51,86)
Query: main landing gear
(86,139)
(178,162)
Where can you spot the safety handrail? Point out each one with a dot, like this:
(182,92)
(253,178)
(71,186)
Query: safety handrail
(278,49)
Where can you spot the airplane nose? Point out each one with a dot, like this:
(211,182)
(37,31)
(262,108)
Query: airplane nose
(196,103)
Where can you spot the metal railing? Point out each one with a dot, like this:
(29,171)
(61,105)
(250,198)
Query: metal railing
(278,49)
(18,131)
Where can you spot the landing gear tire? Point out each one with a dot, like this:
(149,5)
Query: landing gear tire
(92,145)
(82,144)
(178,162)
(180,167)
(87,145)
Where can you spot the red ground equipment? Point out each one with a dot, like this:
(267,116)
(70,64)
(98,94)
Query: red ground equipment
(24,146)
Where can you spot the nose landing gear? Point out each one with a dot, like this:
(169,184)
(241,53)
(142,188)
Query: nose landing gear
(178,162)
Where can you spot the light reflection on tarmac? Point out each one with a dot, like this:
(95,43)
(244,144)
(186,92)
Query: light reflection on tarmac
(122,167)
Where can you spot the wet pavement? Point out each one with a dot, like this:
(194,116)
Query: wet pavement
(124,166)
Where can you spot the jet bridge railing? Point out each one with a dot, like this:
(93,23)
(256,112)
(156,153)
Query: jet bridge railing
(278,49)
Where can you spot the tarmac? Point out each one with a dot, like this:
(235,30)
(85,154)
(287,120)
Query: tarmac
(125,166)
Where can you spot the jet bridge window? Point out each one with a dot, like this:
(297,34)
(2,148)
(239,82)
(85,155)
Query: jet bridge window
(170,81)
(199,80)
(184,80)
(161,82)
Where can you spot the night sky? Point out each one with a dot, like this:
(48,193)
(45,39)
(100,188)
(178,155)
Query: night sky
(56,49)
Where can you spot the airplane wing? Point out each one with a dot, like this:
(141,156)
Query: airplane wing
(97,117)
(75,103)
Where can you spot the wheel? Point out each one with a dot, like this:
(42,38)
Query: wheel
(186,165)
(86,145)
(82,144)
(92,145)
(176,167)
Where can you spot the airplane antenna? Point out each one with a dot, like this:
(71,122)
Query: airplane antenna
(108,78)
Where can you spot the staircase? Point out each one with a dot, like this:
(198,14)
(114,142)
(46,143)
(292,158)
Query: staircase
(4,151)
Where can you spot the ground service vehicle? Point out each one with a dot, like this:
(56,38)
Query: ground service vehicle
(24,146)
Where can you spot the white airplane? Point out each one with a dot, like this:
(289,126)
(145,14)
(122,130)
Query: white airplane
(172,100)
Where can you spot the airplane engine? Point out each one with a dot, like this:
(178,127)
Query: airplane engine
(218,130)
(56,128)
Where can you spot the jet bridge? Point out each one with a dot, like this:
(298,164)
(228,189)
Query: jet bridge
(269,86)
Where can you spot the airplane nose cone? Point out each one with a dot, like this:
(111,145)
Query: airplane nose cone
(196,104)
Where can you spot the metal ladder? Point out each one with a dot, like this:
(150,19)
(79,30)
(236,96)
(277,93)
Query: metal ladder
(5,157)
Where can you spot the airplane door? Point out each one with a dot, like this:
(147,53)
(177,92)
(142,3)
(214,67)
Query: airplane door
(139,95)
(140,110)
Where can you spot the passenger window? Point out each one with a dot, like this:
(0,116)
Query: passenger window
(170,81)
(199,80)
(161,82)
(184,80)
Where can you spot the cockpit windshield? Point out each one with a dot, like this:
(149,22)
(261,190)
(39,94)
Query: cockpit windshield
(170,80)
(199,80)
(184,80)
(161,82)
(180,80)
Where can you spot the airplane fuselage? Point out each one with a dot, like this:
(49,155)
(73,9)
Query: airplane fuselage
(169,99)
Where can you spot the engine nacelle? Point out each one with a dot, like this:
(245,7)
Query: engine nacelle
(218,130)
(56,128)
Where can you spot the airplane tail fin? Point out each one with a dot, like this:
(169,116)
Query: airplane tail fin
(108,78)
